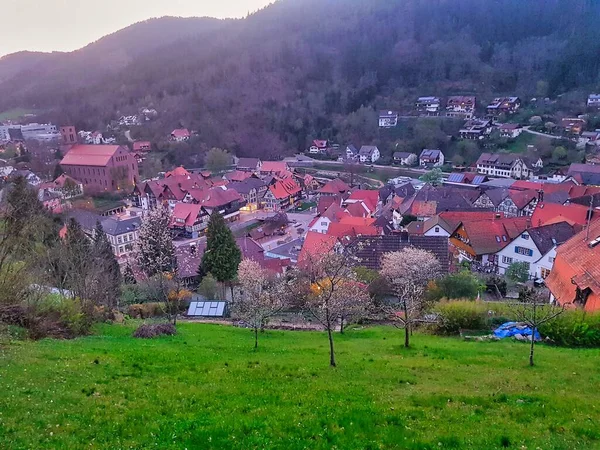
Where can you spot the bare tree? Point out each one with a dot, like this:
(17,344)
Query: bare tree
(534,310)
(408,272)
(261,295)
(331,292)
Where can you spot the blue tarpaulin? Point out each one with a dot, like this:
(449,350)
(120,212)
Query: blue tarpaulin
(510,329)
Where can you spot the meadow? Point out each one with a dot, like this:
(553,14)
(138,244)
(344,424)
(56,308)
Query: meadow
(207,389)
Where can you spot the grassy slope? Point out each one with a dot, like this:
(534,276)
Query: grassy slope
(205,388)
(13,114)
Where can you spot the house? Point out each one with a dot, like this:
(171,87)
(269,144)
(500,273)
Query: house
(332,214)
(188,219)
(584,174)
(593,101)
(504,165)
(368,154)
(503,105)
(366,199)
(122,233)
(141,146)
(574,279)
(318,146)
(352,227)
(572,126)
(227,201)
(405,158)
(370,249)
(428,106)
(274,167)
(510,130)
(388,119)
(315,245)
(466,178)
(101,168)
(334,187)
(282,195)
(351,152)
(575,276)
(476,129)
(589,138)
(252,191)
(249,165)
(510,202)
(480,241)
(549,213)
(536,247)
(460,106)
(65,186)
(180,135)
(431,158)
(51,201)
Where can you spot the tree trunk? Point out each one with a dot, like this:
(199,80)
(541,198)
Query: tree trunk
(406,335)
(532,348)
(331,351)
(231,287)
(342,325)
(255,338)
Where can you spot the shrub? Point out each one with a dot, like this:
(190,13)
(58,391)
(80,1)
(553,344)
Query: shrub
(468,315)
(146,310)
(148,331)
(132,294)
(574,328)
(457,285)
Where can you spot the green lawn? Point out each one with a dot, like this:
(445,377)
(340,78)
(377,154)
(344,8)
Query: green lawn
(206,388)
(519,145)
(15,113)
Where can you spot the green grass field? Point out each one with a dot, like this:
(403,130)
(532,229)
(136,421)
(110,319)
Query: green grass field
(16,113)
(206,388)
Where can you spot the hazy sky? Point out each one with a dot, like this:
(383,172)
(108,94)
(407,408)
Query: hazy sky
(48,25)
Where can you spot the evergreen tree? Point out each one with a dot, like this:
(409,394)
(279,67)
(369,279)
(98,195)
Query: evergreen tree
(109,272)
(156,252)
(222,256)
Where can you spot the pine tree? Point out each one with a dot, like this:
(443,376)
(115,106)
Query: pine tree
(58,171)
(222,256)
(156,252)
(109,272)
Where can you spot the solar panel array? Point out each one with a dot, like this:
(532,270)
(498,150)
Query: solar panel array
(456,177)
(206,309)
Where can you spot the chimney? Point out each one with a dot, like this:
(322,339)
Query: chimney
(404,236)
(541,195)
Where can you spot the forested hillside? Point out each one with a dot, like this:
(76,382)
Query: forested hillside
(302,69)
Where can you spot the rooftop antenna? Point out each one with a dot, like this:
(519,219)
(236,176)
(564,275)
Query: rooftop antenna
(589,218)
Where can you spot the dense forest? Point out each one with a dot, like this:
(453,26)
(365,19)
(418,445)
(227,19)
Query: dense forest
(301,69)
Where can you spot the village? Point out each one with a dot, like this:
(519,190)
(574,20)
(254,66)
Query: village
(497,213)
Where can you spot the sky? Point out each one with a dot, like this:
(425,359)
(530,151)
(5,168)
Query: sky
(65,25)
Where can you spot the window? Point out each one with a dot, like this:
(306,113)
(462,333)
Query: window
(525,236)
(523,251)
(120,239)
(545,272)
(437,229)
(324,224)
(507,260)
(551,259)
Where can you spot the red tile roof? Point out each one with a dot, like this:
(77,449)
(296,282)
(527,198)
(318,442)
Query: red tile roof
(325,202)
(370,198)
(315,244)
(238,175)
(335,186)
(285,188)
(274,166)
(180,133)
(342,230)
(548,213)
(576,266)
(358,209)
(61,180)
(138,146)
(185,214)
(491,236)
(89,155)
(423,209)
(522,198)
(215,197)
(179,171)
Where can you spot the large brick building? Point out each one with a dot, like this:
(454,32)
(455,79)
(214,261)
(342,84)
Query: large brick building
(101,168)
